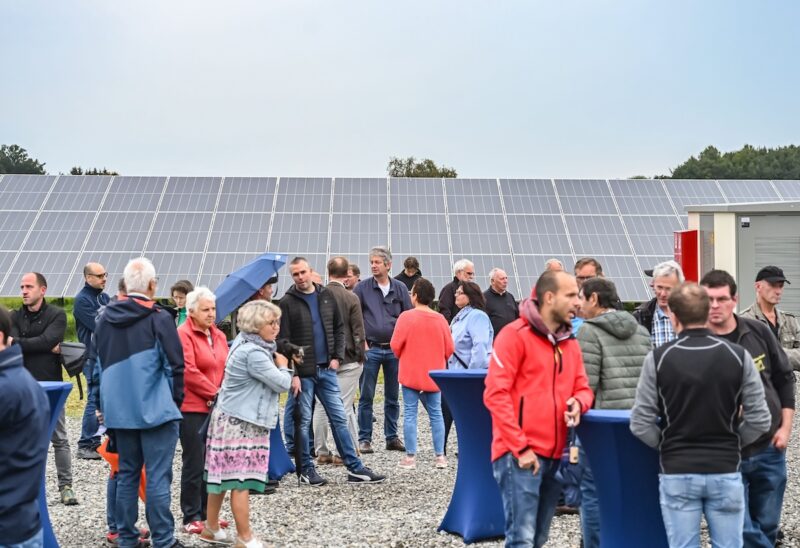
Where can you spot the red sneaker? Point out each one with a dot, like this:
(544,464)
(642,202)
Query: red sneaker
(223,524)
(194,527)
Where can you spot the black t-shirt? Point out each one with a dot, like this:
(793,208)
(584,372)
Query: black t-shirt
(774,328)
(733,336)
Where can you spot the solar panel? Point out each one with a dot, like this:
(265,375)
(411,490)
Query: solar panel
(247,194)
(472,196)
(594,235)
(218,265)
(14,226)
(19,192)
(240,232)
(641,197)
(357,233)
(647,233)
(120,231)
(59,231)
(530,267)
(416,196)
(134,193)
(56,266)
(419,234)
(317,263)
(588,197)
(171,267)
(789,190)
(360,196)
(485,263)
(529,196)
(297,195)
(748,191)
(626,275)
(435,268)
(686,192)
(538,234)
(478,234)
(77,193)
(191,194)
(176,231)
(299,233)
(113,262)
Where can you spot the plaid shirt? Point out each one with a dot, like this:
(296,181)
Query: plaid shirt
(661,331)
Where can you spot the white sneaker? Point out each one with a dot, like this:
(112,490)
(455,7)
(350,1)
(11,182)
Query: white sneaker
(253,543)
(219,537)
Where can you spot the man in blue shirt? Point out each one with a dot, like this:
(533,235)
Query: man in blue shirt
(382,300)
(87,302)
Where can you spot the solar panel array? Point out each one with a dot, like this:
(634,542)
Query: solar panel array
(202,228)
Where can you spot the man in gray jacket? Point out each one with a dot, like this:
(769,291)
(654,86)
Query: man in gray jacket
(614,346)
(349,372)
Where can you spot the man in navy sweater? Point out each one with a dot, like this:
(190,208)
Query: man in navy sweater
(87,302)
(24,415)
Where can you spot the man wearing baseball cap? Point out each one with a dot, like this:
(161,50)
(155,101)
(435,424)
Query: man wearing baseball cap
(770,281)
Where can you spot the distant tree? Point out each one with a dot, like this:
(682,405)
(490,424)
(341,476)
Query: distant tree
(639,177)
(77,170)
(15,159)
(747,163)
(410,167)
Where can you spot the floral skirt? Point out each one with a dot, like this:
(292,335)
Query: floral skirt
(237,454)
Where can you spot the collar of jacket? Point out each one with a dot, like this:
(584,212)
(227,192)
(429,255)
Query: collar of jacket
(91,289)
(196,329)
(294,292)
(759,314)
(28,312)
(529,311)
(11,357)
(697,332)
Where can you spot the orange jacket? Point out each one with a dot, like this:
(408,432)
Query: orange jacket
(422,342)
(528,384)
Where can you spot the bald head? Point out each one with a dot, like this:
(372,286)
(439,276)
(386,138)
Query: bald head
(95,275)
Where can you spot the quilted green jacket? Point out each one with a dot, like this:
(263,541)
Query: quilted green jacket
(614,346)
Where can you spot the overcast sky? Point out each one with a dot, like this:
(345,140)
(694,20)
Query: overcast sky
(493,88)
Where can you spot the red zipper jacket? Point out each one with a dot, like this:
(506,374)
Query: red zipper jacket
(532,374)
(204,365)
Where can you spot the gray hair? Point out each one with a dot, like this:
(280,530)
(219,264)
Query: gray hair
(202,292)
(493,272)
(138,274)
(668,268)
(381,252)
(254,315)
(460,265)
(554,261)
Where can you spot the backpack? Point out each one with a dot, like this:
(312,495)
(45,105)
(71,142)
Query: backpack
(73,358)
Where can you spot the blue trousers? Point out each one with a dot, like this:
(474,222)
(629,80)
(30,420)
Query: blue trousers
(89,426)
(432,401)
(377,357)
(764,478)
(154,449)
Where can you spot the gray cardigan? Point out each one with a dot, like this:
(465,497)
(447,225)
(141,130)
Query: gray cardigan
(252,385)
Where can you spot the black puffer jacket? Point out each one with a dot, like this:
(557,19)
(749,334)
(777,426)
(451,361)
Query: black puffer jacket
(644,314)
(296,325)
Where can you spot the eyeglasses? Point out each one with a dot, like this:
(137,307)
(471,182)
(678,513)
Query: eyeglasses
(102,276)
(274,323)
(459,292)
(584,278)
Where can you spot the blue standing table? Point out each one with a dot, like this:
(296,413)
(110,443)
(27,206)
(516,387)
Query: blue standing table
(626,474)
(476,510)
(57,393)
(279,462)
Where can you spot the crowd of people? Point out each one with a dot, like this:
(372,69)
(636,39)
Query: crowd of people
(711,390)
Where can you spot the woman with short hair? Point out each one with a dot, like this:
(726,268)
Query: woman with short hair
(205,350)
(422,342)
(179,291)
(237,450)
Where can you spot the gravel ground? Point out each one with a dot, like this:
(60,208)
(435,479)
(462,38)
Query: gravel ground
(403,512)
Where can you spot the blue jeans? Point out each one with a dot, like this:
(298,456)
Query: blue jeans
(111,503)
(88,439)
(391,406)
(154,449)
(326,388)
(529,501)
(590,504)
(36,541)
(432,401)
(685,498)
(764,478)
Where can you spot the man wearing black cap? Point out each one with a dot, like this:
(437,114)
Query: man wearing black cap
(769,290)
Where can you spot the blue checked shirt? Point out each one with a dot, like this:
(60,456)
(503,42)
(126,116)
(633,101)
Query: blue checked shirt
(661,331)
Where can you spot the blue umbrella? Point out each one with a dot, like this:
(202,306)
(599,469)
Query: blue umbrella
(238,286)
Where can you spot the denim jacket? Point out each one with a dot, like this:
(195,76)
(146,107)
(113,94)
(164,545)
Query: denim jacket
(252,384)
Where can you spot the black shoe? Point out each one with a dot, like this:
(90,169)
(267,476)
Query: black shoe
(312,478)
(365,447)
(273,483)
(395,445)
(364,475)
(88,454)
(268,490)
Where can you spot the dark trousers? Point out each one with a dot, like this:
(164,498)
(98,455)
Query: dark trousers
(194,497)
(448,421)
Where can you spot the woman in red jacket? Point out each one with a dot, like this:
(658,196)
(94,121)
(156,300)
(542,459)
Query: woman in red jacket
(422,342)
(205,350)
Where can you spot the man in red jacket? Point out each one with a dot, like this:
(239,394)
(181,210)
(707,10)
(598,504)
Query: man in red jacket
(536,386)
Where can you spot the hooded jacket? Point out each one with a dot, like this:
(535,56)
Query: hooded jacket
(532,374)
(140,356)
(24,418)
(297,326)
(614,347)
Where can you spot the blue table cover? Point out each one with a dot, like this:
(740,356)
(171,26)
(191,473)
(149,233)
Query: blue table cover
(476,509)
(280,463)
(57,393)
(626,474)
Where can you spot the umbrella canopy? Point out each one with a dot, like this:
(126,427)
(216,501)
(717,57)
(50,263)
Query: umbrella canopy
(238,286)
